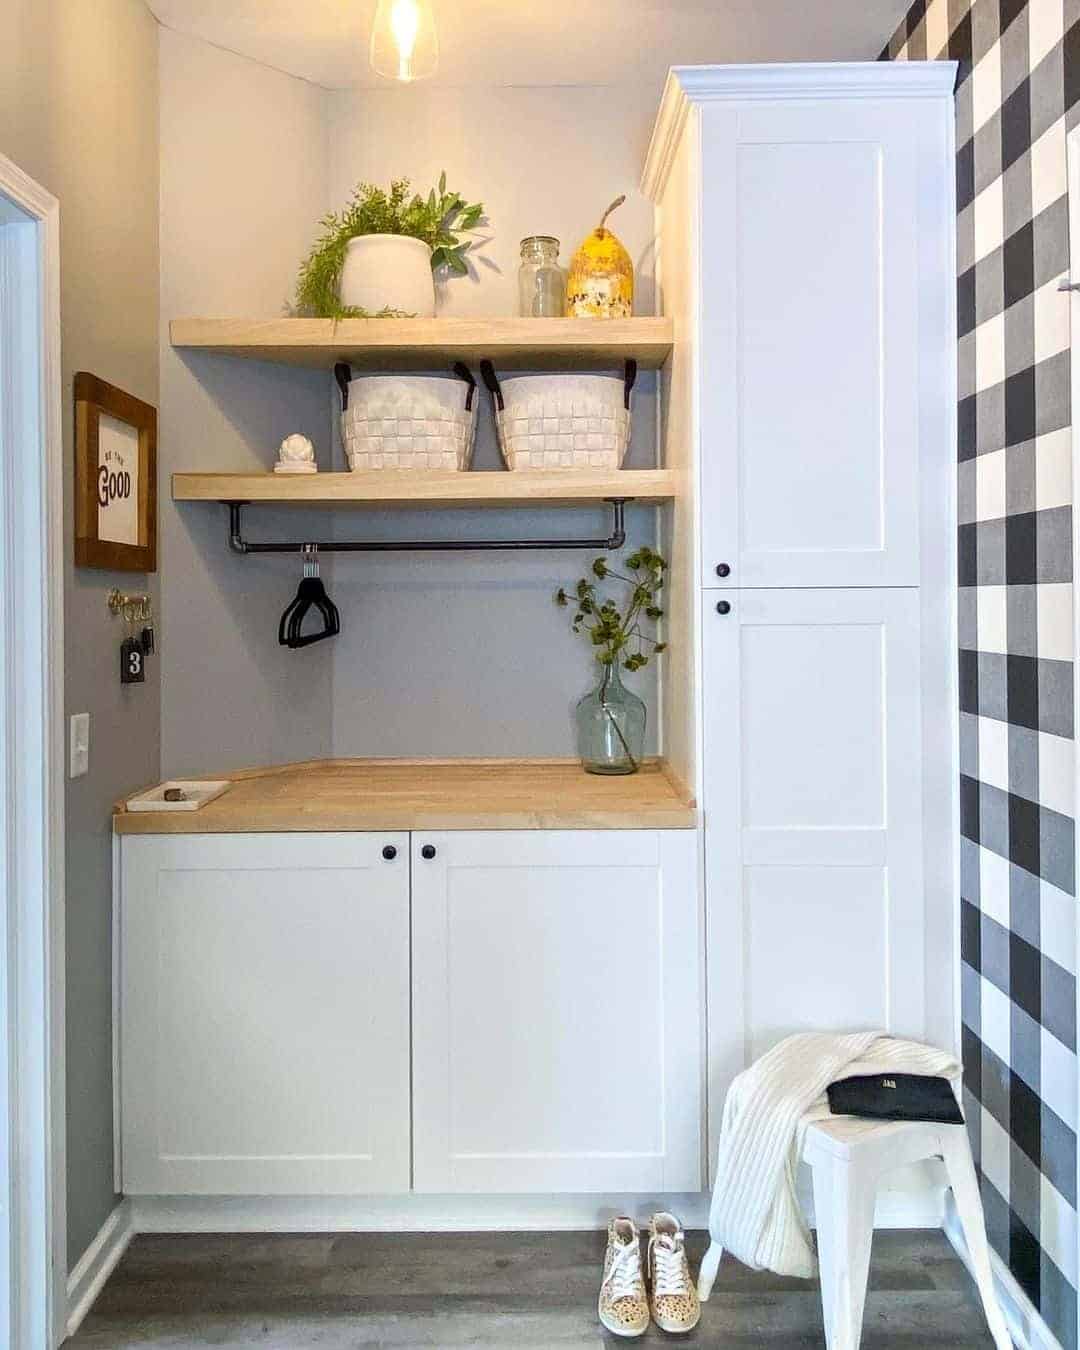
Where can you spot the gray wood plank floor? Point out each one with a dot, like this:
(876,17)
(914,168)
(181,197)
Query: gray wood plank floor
(340,1291)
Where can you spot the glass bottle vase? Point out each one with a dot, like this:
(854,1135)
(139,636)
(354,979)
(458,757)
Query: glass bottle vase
(611,726)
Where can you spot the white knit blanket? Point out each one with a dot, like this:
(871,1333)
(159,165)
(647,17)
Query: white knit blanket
(755,1214)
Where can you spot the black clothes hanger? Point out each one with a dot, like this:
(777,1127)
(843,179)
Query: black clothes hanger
(310,594)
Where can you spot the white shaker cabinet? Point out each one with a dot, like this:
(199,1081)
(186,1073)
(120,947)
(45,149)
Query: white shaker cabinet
(557,1011)
(823,257)
(814,845)
(264,1014)
(265,984)
(810,306)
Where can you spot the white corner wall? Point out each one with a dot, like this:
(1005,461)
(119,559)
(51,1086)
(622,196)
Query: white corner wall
(465,654)
(443,653)
(243,184)
(543,160)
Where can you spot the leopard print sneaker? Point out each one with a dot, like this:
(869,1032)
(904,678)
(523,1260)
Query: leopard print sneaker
(673,1300)
(623,1307)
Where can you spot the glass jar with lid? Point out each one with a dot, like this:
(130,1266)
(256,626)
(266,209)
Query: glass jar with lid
(541,281)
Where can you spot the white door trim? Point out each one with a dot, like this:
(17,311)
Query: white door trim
(32,763)
(1072,145)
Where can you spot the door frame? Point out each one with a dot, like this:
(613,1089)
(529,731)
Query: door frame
(32,1044)
(1072,151)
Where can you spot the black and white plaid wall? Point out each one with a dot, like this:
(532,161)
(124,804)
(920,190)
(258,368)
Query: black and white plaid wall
(1017,98)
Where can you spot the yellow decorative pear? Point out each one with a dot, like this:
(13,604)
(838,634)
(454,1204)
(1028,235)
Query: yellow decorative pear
(601,280)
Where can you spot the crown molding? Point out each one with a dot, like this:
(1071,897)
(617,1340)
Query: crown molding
(667,132)
(687,86)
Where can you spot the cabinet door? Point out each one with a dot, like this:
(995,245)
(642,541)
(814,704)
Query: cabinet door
(811,279)
(265,1014)
(556,1016)
(813,809)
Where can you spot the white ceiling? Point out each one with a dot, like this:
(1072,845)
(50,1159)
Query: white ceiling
(543,42)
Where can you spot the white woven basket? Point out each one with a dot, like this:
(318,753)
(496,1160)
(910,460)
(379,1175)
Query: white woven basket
(408,422)
(563,422)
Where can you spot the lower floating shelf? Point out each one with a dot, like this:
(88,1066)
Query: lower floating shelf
(410,488)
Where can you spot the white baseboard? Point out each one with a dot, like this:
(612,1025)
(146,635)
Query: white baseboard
(1026,1327)
(401,1213)
(97,1263)
(456,1213)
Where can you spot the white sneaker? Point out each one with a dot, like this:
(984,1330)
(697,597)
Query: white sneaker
(623,1307)
(673,1300)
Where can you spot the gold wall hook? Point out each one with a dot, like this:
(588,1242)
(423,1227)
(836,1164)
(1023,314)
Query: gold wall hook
(136,606)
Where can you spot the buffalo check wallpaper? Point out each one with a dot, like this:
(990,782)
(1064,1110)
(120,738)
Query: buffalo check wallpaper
(1018,96)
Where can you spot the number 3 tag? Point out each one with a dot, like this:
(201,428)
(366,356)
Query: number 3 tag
(131,662)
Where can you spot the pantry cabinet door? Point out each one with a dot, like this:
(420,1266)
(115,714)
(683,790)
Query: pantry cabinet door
(265,1014)
(813,811)
(813,272)
(556,1011)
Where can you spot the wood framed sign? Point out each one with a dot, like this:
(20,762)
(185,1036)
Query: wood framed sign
(115,478)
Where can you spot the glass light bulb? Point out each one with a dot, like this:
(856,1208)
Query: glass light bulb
(404,43)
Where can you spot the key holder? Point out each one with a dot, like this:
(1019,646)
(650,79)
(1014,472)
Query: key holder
(134,607)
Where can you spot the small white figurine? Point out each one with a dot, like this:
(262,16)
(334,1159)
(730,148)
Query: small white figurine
(296,454)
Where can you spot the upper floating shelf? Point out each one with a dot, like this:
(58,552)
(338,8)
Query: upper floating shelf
(425,344)
(412,488)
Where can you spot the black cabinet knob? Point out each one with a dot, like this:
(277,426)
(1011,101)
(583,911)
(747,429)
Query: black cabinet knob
(723,607)
(723,570)
(428,852)
(389,853)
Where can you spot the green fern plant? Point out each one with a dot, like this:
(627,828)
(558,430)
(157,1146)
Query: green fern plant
(439,220)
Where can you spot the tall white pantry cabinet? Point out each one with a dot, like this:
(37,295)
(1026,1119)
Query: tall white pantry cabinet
(806,219)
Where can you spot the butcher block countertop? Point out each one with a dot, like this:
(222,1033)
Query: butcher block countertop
(399,794)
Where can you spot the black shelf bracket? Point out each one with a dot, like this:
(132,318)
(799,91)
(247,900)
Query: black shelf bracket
(239,544)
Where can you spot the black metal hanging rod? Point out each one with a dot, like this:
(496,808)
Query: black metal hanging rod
(239,544)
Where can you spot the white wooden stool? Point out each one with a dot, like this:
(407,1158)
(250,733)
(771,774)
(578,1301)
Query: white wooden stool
(848,1157)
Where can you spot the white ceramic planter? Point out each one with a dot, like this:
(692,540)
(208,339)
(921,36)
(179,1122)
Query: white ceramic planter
(388,271)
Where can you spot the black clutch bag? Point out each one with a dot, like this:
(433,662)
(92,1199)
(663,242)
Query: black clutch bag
(898,1096)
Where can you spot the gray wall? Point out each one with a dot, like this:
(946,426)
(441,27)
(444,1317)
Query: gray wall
(243,184)
(79,112)
(440,654)
(465,654)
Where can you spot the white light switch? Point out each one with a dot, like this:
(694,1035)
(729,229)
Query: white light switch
(79,745)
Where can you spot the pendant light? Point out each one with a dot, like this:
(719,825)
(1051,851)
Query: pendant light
(404,43)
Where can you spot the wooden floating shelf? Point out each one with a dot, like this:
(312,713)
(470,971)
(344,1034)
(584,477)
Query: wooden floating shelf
(413,488)
(432,344)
